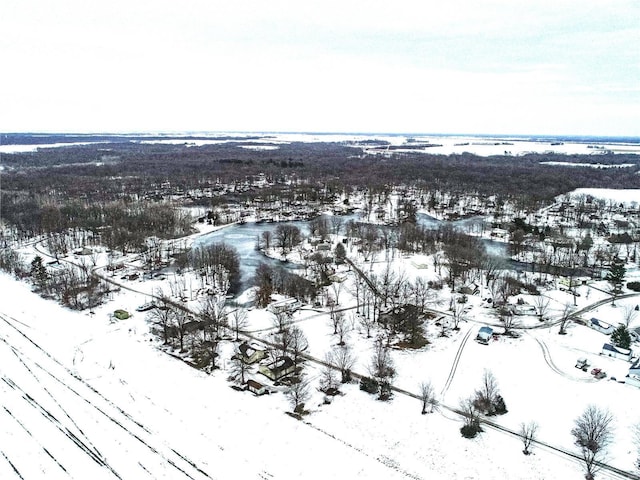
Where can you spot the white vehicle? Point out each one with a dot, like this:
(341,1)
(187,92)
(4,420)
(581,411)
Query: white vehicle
(146,306)
(583,364)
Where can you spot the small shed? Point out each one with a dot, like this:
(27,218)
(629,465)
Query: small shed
(484,335)
(256,388)
(600,326)
(616,352)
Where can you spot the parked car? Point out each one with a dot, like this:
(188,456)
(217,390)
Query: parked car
(582,364)
(600,374)
(595,371)
(145,307)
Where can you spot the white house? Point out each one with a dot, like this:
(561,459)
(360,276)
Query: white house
(602,327)
(287,305)
(616,352)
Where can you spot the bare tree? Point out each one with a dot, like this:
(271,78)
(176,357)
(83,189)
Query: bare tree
(471,417)
(382,369)
(180,321)
(337,317)
(239,369)
(211,348)
(283,342)
(593,432)
(491,265)
(457,312)
(366,323)
(328,381)
(287,236)
(342,358)
(281,320)
(336,288)
(629,314)
(528,433)
(267,237)
(163,315)
(343,327)
(210,310)
(298,344)
(263,279)
(421,293)
(507,319)
(238,319)
(487,397)
(336,225)
(428,397)
(298,394)
(565,318)
(542,306)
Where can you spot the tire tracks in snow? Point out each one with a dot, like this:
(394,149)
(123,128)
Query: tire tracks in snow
(95,455)
(549,361)
(456,361)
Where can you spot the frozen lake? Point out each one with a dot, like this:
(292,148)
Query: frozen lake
(244,239)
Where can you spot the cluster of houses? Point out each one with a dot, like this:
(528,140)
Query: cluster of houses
(610,350)
(485,335)
(275,370)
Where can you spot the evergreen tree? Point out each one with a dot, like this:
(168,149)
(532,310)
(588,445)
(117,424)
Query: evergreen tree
(615,277)
(621,337)
(340,253)
(39,273)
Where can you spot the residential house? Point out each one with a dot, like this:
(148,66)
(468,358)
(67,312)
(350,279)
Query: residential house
(616,352)
(600,326)
(280,367)
(289,305)
(251,352)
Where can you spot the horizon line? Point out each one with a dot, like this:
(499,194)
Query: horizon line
(310,132)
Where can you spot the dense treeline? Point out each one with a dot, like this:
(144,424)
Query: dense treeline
(120,167)
(218,264)
(121,225)
(269,280)
(98,174)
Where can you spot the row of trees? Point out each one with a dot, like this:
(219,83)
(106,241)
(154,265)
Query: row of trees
(218,265)
(75,286)
(270,280)
(73,222)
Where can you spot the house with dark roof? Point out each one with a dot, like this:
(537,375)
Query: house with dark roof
(600,326)
(256,387)
(280,367)
(251,352)
(616,352)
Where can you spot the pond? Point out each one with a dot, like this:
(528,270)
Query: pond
(244,238)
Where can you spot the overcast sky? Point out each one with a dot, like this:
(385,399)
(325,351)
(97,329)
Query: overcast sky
(497,67)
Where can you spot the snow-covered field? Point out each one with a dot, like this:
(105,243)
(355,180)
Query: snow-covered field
(435,144)
(617,195)
(84,397)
